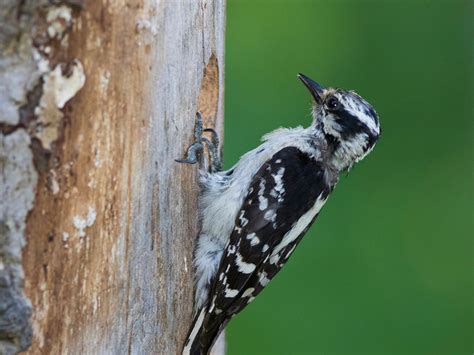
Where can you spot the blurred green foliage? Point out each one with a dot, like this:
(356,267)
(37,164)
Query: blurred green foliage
(388,267)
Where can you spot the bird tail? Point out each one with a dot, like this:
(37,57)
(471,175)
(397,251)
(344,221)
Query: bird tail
(193,344)
(202,335)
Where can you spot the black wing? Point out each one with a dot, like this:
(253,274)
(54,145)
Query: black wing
(282,191)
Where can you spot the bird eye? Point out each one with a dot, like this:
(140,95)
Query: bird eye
(332,103)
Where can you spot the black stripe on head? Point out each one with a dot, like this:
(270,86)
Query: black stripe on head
(350,124)
(360,101)
(371,140)
(369,111)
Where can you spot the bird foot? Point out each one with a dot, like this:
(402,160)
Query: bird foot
(195,151)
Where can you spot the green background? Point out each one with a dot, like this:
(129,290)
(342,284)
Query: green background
(387,268)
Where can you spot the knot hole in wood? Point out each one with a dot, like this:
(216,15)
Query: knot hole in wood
(209,93)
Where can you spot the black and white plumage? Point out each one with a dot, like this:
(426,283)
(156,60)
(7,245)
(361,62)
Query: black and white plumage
(254,214)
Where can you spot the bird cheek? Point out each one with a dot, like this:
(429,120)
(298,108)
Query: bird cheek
(328,119)
(331,126)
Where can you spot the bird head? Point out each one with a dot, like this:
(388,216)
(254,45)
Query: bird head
(349,123)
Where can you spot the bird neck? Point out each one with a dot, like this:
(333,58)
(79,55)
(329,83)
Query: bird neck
(339,154)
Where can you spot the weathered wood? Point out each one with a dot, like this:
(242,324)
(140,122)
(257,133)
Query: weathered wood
(109,238)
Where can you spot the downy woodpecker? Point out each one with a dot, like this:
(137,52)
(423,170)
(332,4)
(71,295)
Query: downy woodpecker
(254,214)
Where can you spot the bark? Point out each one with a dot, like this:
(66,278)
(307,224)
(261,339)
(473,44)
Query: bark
(97,221)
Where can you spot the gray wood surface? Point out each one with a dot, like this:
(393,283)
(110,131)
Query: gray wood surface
(97,100)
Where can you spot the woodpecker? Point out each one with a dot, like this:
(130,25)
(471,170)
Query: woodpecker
(254,214)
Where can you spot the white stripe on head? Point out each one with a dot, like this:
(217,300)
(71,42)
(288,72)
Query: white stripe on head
(358,107)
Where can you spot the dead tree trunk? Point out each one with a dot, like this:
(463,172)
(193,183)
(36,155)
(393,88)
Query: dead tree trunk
(97,221)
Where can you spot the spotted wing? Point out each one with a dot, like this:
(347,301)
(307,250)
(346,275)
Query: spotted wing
(268,270)
(273,217)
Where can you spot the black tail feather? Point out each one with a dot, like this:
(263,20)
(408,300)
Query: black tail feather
(203,334)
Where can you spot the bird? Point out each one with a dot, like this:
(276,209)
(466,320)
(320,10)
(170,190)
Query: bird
(254,214)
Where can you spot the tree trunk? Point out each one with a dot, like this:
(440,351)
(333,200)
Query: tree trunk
(97,99)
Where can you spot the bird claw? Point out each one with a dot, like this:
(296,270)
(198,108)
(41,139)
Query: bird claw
(192,154)
(195,150)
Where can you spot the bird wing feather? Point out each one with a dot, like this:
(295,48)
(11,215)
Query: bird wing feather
(285,188)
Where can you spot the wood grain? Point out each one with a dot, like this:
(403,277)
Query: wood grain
(108,260)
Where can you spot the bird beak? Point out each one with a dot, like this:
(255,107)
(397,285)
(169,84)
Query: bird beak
(314,88)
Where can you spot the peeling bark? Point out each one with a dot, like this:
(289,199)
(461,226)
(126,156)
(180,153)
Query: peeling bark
(97,99)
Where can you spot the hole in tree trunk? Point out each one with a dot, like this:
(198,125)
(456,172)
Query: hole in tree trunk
(209,93)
